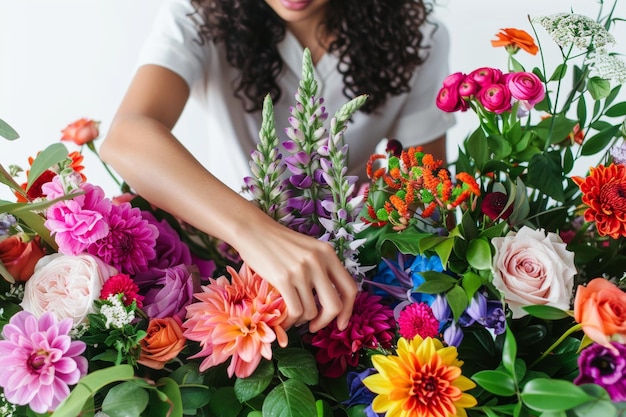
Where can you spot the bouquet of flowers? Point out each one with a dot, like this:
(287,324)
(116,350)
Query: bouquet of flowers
(492,286)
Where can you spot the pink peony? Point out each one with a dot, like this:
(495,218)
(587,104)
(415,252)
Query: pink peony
(526,87)
(129,245)
(372,325)
(239,319)
(39,361)
(495,98)
(79,222)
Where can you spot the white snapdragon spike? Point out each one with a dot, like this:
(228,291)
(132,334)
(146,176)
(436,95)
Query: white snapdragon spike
(608,67)
(116,314)
(573,29)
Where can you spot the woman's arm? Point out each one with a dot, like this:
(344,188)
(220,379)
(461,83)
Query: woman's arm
(142,149)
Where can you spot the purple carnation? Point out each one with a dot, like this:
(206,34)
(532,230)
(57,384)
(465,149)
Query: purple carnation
(604,367)
(130,242)
(167,292)
(39,361)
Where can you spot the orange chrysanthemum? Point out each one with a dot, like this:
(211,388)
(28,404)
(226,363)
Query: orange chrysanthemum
(515,39)
(423,380)
(604,193)
(237,319)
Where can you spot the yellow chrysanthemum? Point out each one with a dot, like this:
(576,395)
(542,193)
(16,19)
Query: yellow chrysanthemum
(423,380)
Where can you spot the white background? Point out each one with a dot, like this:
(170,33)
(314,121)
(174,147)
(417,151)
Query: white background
(61,60)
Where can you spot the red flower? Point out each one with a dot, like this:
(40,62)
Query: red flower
(122,284)
(493,206)
(418,319)
(81,131)
(604,192)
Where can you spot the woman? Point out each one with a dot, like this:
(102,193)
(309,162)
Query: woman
(229,54)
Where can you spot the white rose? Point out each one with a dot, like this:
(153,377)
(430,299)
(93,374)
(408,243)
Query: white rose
(532,268)
(66,285)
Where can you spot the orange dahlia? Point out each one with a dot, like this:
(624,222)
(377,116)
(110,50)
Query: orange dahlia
(423,380)
(604,193)
(239,319)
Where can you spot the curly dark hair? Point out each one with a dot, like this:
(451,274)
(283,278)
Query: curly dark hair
(378,43)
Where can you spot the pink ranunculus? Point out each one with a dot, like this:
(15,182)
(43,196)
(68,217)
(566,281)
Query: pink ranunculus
(80,221)
(495,98)
(486,76)
(454,80)
(39,360)
(468,88)
(450,101)
(526,87)
(66,285)
(532,268)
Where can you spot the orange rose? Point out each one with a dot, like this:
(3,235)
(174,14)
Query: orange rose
(163,342)
(600,308)
(81,131)
(516,38)
(19,258)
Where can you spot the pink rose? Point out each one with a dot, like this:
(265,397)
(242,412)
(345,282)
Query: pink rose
(486,76)
(532,268)
(495,98)
(66,285)
(450,101)
(526,87)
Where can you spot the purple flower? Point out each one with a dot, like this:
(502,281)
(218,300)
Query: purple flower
(167,292)
(359,393)
(602,366)
(618,152)
(130,242)
(39,361)
(79,222)
(169,248)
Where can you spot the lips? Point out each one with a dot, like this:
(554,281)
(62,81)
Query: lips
(295,5)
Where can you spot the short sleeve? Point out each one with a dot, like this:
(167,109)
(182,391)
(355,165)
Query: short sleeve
(420,113)
(174,42)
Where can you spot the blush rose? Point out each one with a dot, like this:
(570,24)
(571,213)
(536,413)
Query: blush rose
(530,268)
(82,131)
(19,257)
(600,307)
(66,285)
(163,342)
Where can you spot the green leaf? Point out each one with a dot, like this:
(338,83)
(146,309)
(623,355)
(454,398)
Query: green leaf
(444,248)
(600,405)
(545,174)
(250,387)
(479,254)
(544,394)
(476,145)
(457,300)
(7,179)
(617,110)
(496,382)
(7,131)
(559,72)
(436,282)
(194,396)
(49,157)
(298,364)
(292,398)
(598,88)
(581,111)
(599,141)
(125,400)
(545,312)
(224,403)
(509,352)
(407,242)
(471,282)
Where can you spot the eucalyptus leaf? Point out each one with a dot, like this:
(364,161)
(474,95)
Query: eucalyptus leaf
(7,132)
(46,159)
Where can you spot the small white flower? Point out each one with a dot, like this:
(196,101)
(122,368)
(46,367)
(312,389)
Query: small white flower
(569,28)
(609,67)
(6,408)
(116,313)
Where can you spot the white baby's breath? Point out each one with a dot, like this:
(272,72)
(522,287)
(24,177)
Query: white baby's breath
(581,31)
(609,67)
(116,314)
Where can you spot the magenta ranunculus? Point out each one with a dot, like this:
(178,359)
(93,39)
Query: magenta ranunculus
(39,361)
(454,80)
(167,292)
(495,98)
(450,101)
(486,76)
(129,245)
(80,221)
(468,88)
(170,250)
(372,325)
(526,87)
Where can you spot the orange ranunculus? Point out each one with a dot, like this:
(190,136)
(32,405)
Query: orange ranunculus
(81,131)
(600,308)
(19,257)
(516,38)
(163,342)
(603,193)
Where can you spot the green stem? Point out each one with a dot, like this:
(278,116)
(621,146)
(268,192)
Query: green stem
(545,354)
(93,149)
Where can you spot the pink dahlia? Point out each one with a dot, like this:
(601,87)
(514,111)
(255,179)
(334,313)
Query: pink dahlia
(39,361)
(372,325)
(122,284)
(418,319)
(80,221)
(130,242)
(239,319)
